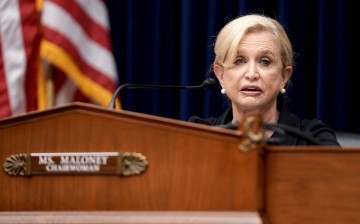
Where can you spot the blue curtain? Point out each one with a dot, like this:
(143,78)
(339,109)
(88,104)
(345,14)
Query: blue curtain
(170,42)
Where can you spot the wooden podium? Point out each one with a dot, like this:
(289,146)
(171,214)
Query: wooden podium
(193,173)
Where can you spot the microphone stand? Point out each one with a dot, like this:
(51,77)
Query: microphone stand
(282,129)
(206,84)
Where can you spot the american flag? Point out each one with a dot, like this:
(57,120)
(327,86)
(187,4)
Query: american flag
(19,38)
(73,37)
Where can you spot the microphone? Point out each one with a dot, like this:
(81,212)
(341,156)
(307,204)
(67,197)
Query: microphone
(286,129)
(206,84)
(282,129)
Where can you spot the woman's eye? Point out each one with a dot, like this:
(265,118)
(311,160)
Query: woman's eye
(265,61)
(239,61)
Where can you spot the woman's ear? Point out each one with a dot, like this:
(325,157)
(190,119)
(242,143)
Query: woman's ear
(219,72)
(286,74)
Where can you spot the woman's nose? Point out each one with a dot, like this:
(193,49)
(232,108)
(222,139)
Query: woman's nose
(252,72)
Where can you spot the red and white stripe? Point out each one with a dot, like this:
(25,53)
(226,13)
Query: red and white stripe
(75,39)
(19,42)
(80,28)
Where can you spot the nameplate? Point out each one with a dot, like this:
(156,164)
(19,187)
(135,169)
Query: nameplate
(77,163)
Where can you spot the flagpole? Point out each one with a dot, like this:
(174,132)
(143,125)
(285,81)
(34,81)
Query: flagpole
(49,82)
(46,90)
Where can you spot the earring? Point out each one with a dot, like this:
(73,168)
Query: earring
(283,91)
(223,91)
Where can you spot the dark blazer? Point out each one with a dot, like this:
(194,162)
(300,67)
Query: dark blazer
(314,128)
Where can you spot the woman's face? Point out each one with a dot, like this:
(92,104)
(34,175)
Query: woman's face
(258,75)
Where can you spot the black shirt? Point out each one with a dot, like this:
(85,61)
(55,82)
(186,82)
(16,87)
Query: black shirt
(313,128)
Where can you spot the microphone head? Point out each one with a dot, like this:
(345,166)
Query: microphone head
(208,83)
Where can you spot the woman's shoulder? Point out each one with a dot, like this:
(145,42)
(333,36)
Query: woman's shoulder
(314,127)
(199,120)
(224,118)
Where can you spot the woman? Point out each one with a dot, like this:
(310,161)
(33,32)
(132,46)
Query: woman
(253,63)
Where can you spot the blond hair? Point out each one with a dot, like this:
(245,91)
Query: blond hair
(233,32)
